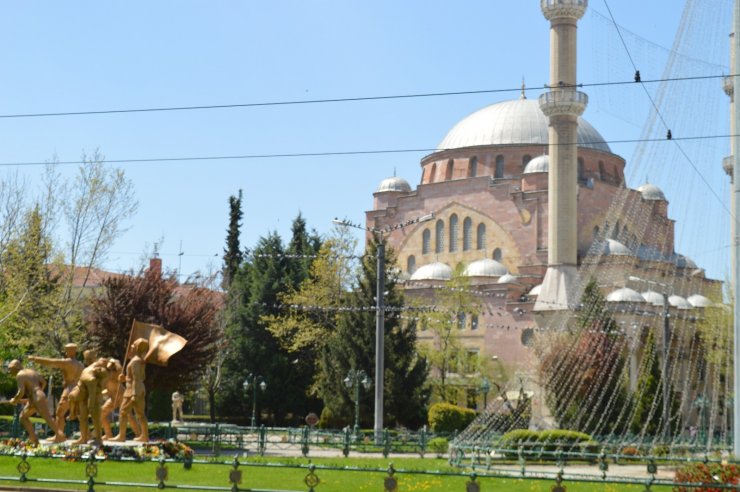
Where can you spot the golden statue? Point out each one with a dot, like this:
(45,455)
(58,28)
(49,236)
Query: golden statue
(71,369)
(134,396)
(113,394)
(89,398)
(31,389)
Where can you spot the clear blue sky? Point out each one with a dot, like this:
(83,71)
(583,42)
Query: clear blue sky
(71,56)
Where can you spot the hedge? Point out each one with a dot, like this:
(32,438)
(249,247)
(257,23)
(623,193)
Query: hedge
(446,417)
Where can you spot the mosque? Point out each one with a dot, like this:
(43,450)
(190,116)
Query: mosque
(528,200)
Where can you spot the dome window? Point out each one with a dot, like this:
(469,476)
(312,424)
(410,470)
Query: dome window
(497,255)
(450,167)
(473,167)
(499,172)
(480,242)
(453,233)
(433,172)
(439,236)
(581,170)
(467,234)
(595,234)
(426,241)
(602,172)
(525,161)
(411,264)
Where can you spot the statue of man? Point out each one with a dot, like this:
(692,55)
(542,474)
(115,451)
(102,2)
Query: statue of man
(89,398)
(71,369)
(134,396)
(31,388)
(177,401)
(113,394)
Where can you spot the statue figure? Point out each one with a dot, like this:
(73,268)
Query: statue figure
(113,394)
(71,369)
(134,396)
(31,389)
(177,401)
(89,398)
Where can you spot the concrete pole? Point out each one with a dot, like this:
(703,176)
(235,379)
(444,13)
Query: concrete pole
(736,239)
(379,339)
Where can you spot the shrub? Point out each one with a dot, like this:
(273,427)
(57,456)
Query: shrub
(629,451)
(330,421)
(6,408)
(438,446)
(548,441)
(445,417)
(709,473)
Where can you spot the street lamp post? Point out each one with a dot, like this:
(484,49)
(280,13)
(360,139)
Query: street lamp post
(254,380)
(356,378)
(380,312)
(701,404)
(485,387)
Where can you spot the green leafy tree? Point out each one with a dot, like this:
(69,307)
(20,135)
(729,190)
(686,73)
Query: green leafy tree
(447,355)
(649,395)
(352,346)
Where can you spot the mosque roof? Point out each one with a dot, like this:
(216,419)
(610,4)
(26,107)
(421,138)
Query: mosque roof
(679,302)
(520,121)
(485,268)
(507,279)
(540,164)
(698,300)
(394,183)
(625,294)
(651,192)
(433,271)
(653,298)
(612,247)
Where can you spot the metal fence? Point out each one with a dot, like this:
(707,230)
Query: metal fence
(30,473)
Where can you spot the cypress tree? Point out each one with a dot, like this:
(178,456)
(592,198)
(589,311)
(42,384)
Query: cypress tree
(232,253)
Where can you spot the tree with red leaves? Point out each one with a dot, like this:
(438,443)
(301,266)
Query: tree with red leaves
(149,297)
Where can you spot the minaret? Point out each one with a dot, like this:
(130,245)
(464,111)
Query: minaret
(563,104)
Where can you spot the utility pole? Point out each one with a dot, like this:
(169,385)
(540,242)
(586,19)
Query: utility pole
(666,369)
(379,338)
(736,240)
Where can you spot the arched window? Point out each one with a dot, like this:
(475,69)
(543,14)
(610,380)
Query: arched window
(497,255)
(525,160)
(453,233)
(450,166)
(596,233)
(480,242)
(473,167)
(461,320)
(625,232)
(499,171)
(426,240)
(602,172)
(581,169)
(615,233)
(467,234)
(439,237)
(411,264)
(474,322)
(431,174)
(617,178)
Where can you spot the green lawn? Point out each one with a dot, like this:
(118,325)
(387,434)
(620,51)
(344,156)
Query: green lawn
(283,478)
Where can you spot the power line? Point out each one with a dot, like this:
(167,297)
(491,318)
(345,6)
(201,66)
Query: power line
(339,153)
(336,100)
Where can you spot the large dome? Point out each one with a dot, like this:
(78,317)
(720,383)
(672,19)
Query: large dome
(520,121)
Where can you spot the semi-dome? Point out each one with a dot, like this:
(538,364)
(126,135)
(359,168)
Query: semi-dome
(540,164)
(485,268)
(612,247)
(679,302)
(654,298)
(651,192)
(394,183)
(535,290)
(516,122)
(506,279)
(698,300)
(433,271)
(625,294)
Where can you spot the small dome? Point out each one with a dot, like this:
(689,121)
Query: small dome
(394,183)
(679,302)
(625,294)
(506,279)
(433,271)
(682,261)
(485,268)
(535,290)
(540,164)
(698,300)
(651,192)
(653,298)
(612,247)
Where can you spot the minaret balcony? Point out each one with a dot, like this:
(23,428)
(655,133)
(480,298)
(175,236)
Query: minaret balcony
(728,84)
(728,164)
(563,102)
(553,9)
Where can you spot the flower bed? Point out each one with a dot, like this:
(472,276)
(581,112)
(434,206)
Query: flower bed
(171,450)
